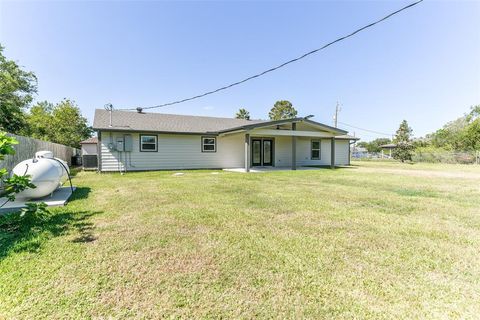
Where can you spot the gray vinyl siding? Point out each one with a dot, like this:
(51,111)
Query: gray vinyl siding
(342,152)
(304,157)
(283,152)
(175,151)
(89,149)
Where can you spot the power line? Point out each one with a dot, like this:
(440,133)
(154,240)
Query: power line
(367,130)
(283,64)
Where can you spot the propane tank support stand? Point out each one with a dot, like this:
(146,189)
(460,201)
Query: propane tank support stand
(59,197)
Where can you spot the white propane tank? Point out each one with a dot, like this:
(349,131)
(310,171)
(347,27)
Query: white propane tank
(45,172)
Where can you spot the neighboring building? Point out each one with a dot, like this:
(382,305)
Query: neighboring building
(89,146)
(129,141)
(90,153)
(389,147)
(358,152)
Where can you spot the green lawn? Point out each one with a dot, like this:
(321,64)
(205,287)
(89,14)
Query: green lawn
(379,240)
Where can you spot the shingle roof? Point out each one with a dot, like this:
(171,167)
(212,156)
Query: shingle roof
(161,122)
(346,137)
(92,140)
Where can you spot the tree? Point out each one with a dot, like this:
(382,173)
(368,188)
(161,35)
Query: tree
(61,123)
(471,136)
(458,135)
(39,121)
(403,149)
(282,109)
(16,93)
(448,137)
(242,114)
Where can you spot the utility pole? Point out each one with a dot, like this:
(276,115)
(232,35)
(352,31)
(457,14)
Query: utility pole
(335,117)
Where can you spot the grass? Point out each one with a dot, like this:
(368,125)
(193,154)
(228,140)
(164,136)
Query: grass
(375,241)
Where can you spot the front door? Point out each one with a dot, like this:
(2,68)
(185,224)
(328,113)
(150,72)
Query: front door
(262,152)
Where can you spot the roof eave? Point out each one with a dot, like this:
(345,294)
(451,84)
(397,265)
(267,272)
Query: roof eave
(155,131)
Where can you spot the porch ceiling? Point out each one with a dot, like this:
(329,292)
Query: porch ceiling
(290,133)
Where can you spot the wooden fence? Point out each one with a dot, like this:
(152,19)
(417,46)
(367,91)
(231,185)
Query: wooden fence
(26,148)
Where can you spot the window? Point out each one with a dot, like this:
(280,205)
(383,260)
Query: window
(316,151)
(148,143)
(209,144)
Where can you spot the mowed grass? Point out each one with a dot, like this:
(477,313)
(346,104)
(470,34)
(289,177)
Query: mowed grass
(344,243)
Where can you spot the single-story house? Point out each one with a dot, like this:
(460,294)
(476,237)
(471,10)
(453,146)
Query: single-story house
(130,141)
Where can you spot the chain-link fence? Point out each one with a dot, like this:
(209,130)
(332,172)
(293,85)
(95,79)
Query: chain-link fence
(465,157)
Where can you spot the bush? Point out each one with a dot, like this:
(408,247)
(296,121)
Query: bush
(439,155)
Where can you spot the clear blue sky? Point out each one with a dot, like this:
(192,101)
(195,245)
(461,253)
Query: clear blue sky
(423,65)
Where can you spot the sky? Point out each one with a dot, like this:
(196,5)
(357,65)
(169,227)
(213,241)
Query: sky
(422,65)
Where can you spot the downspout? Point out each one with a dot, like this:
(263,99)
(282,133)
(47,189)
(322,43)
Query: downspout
(99,151)
(332,154)
(294,147)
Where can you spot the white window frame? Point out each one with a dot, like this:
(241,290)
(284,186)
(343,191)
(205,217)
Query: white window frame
(142,143)
(214,144)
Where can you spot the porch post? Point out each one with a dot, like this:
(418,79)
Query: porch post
(247,152)
(294,148)
(332,154)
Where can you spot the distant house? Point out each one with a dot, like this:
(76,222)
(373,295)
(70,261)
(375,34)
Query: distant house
(129,141)
(89,146)
(90,153)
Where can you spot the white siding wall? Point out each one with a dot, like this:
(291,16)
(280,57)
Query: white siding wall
(175,151)
(89,148)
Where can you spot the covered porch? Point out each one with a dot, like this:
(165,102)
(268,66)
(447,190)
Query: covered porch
(294,144)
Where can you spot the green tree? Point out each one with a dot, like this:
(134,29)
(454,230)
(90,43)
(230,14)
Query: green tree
(61,123)
(458,135)
(471,136)
(282,109)
(39,120)
(404,148)
(242,114)
(16,93)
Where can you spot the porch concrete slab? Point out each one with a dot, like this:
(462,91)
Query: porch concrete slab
(269,169)
(58,198)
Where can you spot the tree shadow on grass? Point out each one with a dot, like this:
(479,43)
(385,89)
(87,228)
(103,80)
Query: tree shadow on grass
(29,233)
(80,193)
